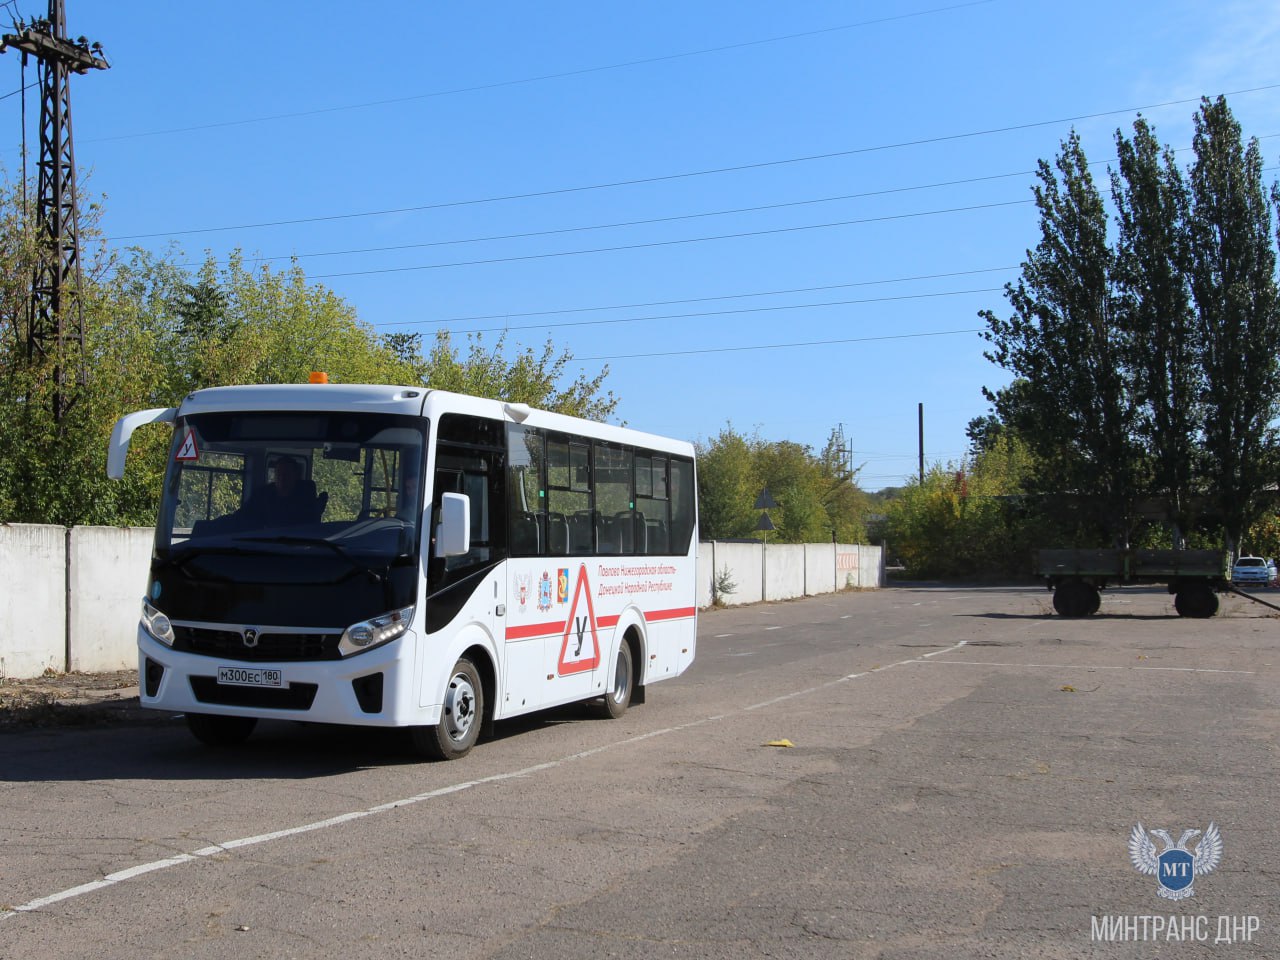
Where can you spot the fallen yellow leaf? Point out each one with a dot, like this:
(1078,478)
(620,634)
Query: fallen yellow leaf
(780,743)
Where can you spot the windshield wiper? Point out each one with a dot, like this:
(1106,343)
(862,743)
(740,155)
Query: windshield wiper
(178,559)
(380,572)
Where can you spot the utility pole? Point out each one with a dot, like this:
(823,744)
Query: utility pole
(844,447)
(55,287)
(920,413)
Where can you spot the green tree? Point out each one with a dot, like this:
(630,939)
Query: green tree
(1063,341)
(968,519)
(817,496)
(1233,265)
(1154,313)
(727,486)
(154,332)
(538,378)
(846,504)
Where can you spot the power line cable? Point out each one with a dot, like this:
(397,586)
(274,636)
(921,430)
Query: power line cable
(714,313)
(351,251)
(726,296)
(666,243)
(875,148)
(631,223)
(776,346)
(320,111)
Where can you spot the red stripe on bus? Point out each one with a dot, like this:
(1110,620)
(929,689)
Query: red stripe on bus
(677,614)
(551,629)
(535,630)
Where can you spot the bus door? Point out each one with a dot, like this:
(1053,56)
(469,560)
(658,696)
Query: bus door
(470,587)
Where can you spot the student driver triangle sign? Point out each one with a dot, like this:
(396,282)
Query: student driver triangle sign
(580,650)
(188,451)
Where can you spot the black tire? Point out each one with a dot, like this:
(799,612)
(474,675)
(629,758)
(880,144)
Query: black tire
(621,684)
(217,731)
(461,716)
(1075,598)
(1195,600)
(1095,601)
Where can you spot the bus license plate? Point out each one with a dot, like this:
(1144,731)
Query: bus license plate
(250,677)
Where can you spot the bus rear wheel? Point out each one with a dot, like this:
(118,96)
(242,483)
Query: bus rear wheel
(216,731)
(461,716)
(623,681)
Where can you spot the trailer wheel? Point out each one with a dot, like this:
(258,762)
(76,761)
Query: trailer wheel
(1195,600)
(1075,598)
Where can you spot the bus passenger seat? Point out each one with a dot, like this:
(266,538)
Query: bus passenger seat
(525,540)
(625,523)
(557,534)
(607,534)
(656,531)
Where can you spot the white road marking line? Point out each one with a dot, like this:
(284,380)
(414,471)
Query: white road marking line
(772,628)
(721,636)
(1078,666)
(204,852)
(852,676)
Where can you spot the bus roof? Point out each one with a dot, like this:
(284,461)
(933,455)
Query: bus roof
(410,401)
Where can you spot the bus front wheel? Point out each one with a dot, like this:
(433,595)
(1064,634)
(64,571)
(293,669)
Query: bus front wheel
(216,731)
(461,715)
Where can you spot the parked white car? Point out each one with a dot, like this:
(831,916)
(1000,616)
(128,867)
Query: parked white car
(1252,570)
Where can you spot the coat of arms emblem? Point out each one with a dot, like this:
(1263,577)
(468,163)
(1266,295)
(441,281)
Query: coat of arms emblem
(1176,867)
(544,592)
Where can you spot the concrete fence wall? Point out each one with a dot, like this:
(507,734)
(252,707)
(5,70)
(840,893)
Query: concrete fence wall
(784,571)
(69,599)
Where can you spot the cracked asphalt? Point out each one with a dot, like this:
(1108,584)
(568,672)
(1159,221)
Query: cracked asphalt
(965,771)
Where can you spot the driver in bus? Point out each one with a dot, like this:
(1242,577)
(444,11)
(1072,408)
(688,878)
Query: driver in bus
(285,501)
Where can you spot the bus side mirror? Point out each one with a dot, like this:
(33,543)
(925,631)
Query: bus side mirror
(123,430)
(453,532)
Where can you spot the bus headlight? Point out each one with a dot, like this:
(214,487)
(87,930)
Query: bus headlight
(375,631)
(157,624)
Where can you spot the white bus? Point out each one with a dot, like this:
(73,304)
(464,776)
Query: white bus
(406,557)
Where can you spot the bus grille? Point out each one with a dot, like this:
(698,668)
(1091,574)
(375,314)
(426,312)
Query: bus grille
(298,696)
(230,645)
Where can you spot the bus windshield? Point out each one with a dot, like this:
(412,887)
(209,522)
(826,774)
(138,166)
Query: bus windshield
(307,499)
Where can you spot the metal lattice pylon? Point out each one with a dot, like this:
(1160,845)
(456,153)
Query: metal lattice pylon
(55,302)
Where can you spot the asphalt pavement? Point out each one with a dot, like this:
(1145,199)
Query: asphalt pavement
(923,772)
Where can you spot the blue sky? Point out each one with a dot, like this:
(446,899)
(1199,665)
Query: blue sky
(851,176)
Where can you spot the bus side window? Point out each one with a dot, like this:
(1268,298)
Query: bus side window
(615,525)
(526,460)
(569,520)
(683,505)
(652,504)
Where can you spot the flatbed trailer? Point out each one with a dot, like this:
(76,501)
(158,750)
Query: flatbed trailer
(1076,576)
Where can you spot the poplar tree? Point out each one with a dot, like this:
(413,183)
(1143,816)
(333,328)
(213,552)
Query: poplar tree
(1064,341)
(1155,317)
(1232,275)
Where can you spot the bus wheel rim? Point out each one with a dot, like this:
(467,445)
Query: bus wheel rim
(460,707)
(621,679)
